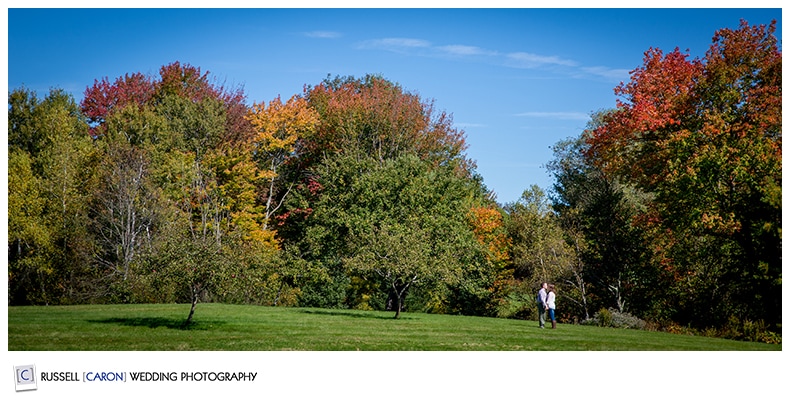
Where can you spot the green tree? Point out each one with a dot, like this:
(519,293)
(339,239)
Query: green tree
(573,182)
(363,126)
(48,140)
(601,218)
(400,223)
(29,236)
(538,248)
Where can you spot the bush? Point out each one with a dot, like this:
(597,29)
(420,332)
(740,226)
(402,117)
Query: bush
(747,330)
(674,328)
(604,318)
(613,318)
(627,321)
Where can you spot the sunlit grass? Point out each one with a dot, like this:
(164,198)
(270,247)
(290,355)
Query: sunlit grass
(255,328)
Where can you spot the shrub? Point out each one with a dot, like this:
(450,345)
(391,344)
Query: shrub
(613,318)
(604,318)
(747,330)
(674,328)
(627,321)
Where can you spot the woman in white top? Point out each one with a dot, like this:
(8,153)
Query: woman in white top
(550,301)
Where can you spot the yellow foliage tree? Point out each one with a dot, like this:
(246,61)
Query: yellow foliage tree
(278,128)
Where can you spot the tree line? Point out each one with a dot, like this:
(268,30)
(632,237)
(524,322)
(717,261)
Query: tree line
(358,194)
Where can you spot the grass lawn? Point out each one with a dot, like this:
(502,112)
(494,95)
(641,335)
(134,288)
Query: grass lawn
(255,328)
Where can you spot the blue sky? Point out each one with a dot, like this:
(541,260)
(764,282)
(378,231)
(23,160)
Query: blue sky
(516,80)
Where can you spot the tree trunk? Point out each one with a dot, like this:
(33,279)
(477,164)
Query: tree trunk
(393,300)
(400,293)
(397,307)
(195,292)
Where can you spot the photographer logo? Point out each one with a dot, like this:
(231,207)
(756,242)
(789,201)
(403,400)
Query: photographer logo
(25,377)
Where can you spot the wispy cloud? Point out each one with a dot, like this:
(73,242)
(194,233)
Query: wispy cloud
(323,34)
(561,115)
(521,59)
(463,50)
(530,60)
(470,125)
(398,45)
(614,74)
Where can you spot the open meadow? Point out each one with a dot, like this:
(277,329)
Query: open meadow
(159,327)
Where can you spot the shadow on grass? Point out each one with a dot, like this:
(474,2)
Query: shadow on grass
(356,314)
(156,322)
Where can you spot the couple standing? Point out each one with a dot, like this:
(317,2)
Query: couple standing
(546,298)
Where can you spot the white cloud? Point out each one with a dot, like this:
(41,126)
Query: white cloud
(562,115)
(323,34)
(530,60)
(395,44)
(524,60)
(470,125)
(608,73)
(463,50)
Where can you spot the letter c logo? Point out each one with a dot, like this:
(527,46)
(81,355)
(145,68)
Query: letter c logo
(22,375)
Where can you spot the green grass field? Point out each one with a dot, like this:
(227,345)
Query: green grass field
(256,328)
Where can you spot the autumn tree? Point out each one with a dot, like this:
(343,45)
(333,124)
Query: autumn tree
(185,167)
(103,97)
(383,120)
(488,222)
(367,117)
(278,127)
(704,136)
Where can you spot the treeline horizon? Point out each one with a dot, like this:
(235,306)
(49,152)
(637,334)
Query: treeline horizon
(358,194)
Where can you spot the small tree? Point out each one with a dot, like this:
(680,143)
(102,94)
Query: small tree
(183,269)
(397,254)
(401,222)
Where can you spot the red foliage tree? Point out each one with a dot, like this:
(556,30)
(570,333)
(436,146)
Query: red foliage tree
(704,137)
(175,79)
(103,97)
